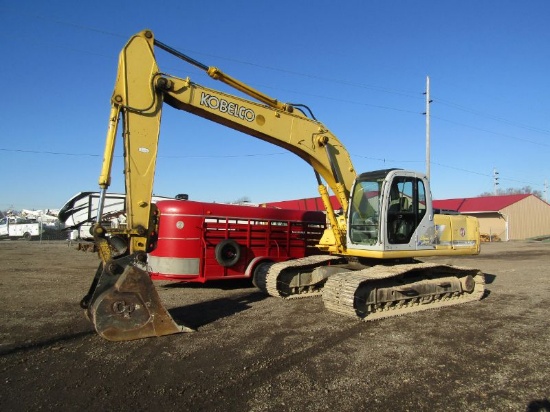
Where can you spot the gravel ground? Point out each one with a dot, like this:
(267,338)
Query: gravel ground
(255,353)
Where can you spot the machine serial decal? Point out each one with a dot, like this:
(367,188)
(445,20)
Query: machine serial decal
(222,105)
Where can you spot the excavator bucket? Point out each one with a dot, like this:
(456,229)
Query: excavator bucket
(123,304)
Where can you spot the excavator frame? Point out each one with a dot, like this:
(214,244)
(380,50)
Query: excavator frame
(123,303)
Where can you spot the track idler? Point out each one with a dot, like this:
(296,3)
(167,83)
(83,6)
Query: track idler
(123,303)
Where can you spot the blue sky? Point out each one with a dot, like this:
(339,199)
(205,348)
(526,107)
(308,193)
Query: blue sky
(361,66)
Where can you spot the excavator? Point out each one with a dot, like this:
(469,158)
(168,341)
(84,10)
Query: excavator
(369,262)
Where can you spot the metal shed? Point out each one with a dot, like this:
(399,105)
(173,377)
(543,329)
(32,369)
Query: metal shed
(509,217)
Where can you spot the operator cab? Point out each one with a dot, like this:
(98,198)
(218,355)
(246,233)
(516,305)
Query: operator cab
(390,210)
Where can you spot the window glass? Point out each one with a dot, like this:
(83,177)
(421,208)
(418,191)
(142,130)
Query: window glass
(421,199)
(364,212)
(406,208)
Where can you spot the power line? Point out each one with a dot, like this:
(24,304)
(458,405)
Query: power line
(490,116)
(377,106)
(162,156)
(486,174)
(316,77)
(491,132)
(460,169)
(224,156)
(380,159)
(410,94)
(331,80)
(48,152)
(64,22)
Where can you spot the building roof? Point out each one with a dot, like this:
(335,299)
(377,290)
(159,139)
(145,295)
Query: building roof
(479,204)
(463,205)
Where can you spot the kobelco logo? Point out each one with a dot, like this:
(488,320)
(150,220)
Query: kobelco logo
(222,105)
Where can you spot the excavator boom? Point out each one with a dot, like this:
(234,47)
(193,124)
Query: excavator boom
(139,94)
(385,216)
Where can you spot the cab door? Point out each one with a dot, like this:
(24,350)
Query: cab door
(409,219)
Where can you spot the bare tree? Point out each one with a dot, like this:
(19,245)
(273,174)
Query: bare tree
(514,191)
(241,200)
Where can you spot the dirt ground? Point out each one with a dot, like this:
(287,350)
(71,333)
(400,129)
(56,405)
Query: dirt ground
(254,353)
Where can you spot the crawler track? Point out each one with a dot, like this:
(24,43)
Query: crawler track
(275,279)
(381,291)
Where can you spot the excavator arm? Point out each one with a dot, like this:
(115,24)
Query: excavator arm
(139,94)
(122,302)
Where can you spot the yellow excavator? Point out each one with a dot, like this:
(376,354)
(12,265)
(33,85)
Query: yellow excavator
(368,264)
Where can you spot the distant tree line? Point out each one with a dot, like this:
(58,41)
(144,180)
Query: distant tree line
(514,191)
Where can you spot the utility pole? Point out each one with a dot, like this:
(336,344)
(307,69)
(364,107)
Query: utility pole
(428,101)
(495,181)
(546,191)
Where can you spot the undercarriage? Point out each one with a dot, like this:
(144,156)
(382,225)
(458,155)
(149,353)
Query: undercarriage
(371,293)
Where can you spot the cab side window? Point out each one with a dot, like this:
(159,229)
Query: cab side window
(407,207)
